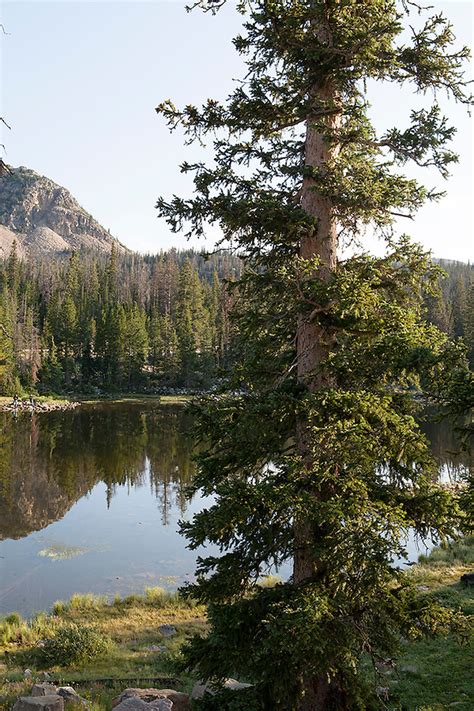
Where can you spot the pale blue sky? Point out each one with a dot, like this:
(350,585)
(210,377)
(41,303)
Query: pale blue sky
(80,81)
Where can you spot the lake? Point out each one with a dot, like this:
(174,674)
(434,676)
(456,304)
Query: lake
(90,501)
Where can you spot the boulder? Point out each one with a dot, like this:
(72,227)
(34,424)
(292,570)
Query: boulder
(200,689)
(71,696)
(52,702)
(43,689)
(133,703)
(179,701)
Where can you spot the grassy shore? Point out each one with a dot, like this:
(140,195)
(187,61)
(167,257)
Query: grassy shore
(131,627)
(431,674)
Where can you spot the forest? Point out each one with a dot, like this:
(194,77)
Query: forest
(87,323)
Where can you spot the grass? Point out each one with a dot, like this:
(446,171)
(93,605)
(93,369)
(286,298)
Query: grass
(431,674)
(130,623)
(437,674)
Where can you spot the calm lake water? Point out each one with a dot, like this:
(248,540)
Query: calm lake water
(90,501)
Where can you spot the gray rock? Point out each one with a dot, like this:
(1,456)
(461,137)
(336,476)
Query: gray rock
(135,704)
(200,689)
(161,705)
(132,704)
(53,702)
(27,673)
(236,685)
(177,700)
(157,648)
(44,218)
(43,689)
(71,696)
(167,630)
(383,692)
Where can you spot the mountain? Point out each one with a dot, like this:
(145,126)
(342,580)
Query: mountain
(45,219)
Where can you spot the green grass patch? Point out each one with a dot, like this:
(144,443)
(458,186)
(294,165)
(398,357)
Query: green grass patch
(434,674)
(136,650)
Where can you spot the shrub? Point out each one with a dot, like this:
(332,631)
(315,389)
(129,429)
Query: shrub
(72,644)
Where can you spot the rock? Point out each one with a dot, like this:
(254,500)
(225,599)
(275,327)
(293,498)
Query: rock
(167,630)
(178,700)
(45,219)
(52,702)
(201,689)
(71,696)
(43,689)
(383,692)
(236,685)
(157,648)
(27,673)
(132,704)
(135,704)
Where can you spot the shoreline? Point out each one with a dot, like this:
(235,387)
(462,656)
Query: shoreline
(142,647)
(53,403)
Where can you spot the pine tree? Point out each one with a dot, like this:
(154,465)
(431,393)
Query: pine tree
(51,373)
(7,360)
(319,460)
(134,343)
(185,323)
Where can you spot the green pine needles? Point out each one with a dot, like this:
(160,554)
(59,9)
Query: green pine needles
(314,456)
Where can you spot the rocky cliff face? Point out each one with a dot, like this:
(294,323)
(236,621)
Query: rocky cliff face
(44,218)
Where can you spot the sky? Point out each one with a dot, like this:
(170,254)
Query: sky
(79,86)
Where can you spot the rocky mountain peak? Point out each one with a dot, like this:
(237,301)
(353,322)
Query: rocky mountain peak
(44,218)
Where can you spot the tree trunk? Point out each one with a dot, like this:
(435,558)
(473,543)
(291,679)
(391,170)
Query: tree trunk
(313,346)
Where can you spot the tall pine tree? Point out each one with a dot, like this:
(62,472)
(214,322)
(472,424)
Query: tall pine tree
(318,462)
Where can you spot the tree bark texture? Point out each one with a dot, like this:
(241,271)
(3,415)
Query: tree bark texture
(313,347)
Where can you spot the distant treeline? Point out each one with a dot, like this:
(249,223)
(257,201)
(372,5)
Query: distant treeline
(453,309)
(117,322)
(132,322)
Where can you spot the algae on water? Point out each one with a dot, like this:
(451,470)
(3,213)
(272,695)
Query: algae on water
(61,552)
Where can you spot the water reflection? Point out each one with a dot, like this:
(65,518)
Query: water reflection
(454,463)
(90,500)
(49,461)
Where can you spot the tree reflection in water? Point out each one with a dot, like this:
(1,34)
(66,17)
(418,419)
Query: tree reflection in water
(49,461)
